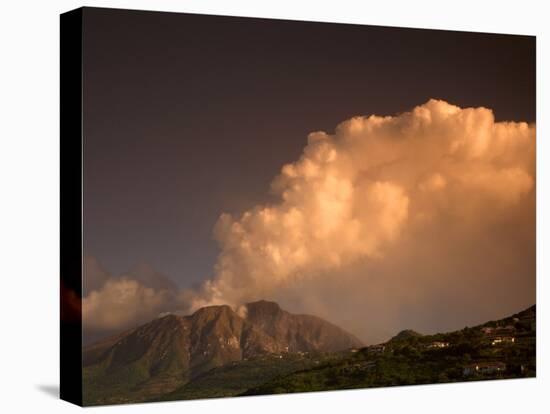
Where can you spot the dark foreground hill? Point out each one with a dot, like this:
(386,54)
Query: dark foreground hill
(167,353)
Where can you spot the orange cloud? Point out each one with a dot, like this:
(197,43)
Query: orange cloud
(352,194)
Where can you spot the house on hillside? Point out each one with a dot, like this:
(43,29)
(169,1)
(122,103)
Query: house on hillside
(501,340)
(500,335)
(437,344)
(484,368)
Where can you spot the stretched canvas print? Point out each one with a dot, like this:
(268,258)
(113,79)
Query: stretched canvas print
(254,206)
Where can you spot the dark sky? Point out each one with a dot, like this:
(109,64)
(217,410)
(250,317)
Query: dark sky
(188,116)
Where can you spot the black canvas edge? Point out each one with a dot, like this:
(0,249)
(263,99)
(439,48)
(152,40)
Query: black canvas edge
(306,21)
(71,206)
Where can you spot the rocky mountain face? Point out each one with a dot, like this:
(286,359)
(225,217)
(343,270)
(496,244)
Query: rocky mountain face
(297,333)
(167,351)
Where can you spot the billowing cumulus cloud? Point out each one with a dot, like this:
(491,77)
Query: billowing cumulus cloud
(122,302)
(112,303)
(423,220)
(354,195)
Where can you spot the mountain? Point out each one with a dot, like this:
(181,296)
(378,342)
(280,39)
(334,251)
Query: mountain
(168,352)
(265,350)
(298,333)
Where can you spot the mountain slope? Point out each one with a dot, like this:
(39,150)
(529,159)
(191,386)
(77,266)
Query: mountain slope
(298,333)
(166,353)
(237,377)
(409,359)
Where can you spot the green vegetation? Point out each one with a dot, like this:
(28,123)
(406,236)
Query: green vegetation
(118,382)
(469,354)
(237,377)
(416,359)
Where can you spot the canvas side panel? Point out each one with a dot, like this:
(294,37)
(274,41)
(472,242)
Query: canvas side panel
(71,206)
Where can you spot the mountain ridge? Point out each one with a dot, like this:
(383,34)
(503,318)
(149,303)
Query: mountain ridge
(172,350)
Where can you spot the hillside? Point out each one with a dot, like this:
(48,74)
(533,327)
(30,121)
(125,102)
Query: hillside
(167,353)
(506,350)
(217,353)
(238,377)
